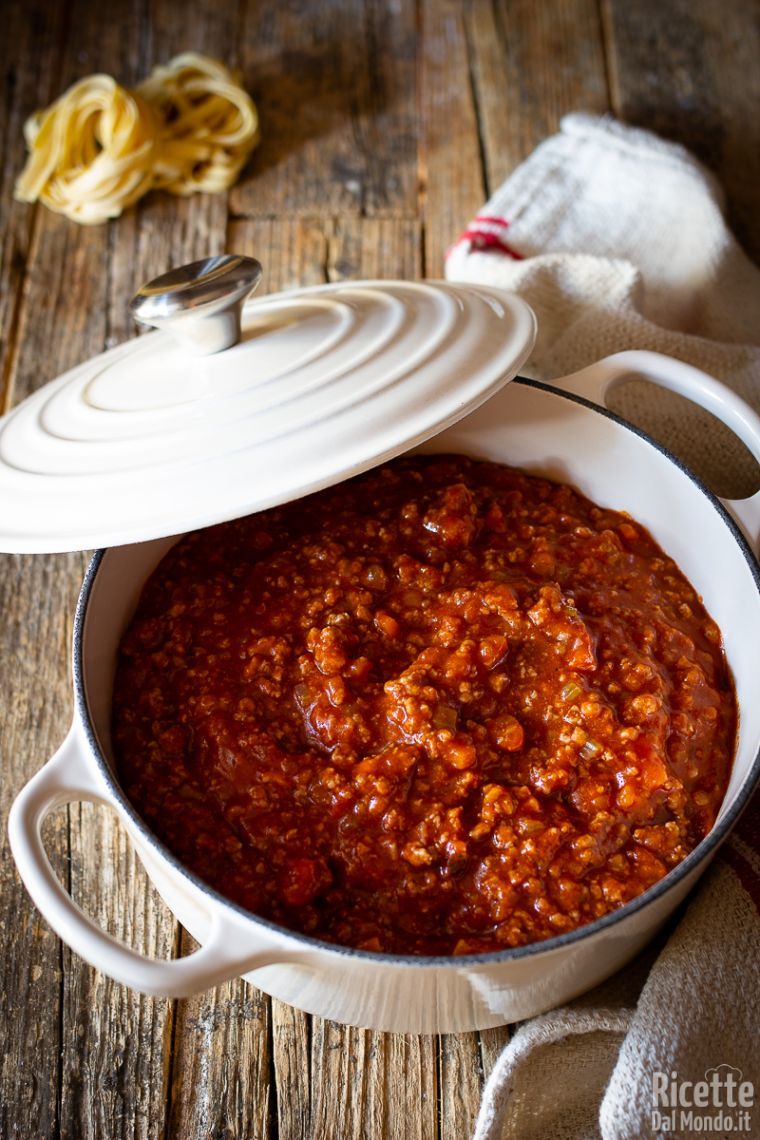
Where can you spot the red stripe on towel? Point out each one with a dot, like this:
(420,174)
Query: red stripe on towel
(484,234)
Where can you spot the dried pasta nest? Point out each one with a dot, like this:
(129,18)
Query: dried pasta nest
(188,128)
(209,124)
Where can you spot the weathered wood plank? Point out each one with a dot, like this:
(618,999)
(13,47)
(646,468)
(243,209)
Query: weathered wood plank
(116,1043)
(293,252)
(335,87)
(36,600)
(310,251)
(451,168)
(372,1084)
(220,1067)
(461,1080)
(387,119)
(688,70)
(341,1061)
(375,247)
(409,1087)
(113,1041)
(531,64)
(291,1063)
(30,50)
(61,322)
(492,1042)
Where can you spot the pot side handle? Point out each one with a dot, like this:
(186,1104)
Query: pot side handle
(598,380)
(66,778)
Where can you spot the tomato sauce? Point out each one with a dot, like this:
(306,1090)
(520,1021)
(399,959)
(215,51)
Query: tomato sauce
(443,708)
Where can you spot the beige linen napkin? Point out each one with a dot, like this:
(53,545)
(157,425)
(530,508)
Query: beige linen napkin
(618,240)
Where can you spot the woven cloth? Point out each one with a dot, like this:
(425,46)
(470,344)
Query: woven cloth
(618,240)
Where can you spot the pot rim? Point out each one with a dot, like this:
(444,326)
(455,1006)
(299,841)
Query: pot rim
(706,848)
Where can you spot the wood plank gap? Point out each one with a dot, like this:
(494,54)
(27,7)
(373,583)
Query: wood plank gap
(419,108)
(109,282)
(482,1062)
(310,1062)
(477,107)
(421,157)
(356,111)
(274,1096)
(176,952)
(169,1081)
(610,57)
(438,1076)
(331,230)
(492,1043)
(11,356)
(61,991)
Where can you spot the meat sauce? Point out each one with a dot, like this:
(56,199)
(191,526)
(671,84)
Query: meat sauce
(443,708)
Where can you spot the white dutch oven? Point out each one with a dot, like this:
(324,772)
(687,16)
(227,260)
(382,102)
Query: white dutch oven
(562,431)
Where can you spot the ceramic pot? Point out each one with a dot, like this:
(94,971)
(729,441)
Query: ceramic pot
(562,431)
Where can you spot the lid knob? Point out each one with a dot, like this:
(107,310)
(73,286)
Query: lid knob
(199,303)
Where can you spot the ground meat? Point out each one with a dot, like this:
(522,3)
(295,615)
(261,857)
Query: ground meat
(442,708)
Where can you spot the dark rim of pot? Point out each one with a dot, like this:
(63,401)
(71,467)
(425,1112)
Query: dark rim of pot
(702,851)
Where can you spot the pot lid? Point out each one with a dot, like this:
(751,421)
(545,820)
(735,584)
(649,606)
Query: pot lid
(235,406)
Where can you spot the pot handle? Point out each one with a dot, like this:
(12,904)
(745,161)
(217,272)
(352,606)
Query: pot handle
(67,778)
(595,382)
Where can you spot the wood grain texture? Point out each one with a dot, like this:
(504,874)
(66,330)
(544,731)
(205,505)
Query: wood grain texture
(461,1081)
(688,70)
(292,251)
(29,62)
(492,1042)
(371,1084)
(63,291)
(59,272)
(220,1068)
(374,247)
(334,84)
(451,163)
(291,1063)
(115,1043)
(531,64)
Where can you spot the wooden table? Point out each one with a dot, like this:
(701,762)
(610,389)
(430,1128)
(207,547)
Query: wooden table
(385,125)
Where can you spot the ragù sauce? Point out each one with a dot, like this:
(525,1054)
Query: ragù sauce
(443,708)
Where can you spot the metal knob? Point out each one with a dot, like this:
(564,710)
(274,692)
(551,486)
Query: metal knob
(201,303)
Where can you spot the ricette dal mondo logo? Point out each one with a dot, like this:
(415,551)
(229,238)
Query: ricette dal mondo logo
(720,1104)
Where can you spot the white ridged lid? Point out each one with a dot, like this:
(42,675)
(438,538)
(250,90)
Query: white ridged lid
(149,440)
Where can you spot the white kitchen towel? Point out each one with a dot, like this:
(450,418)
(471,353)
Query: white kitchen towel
(617,240)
